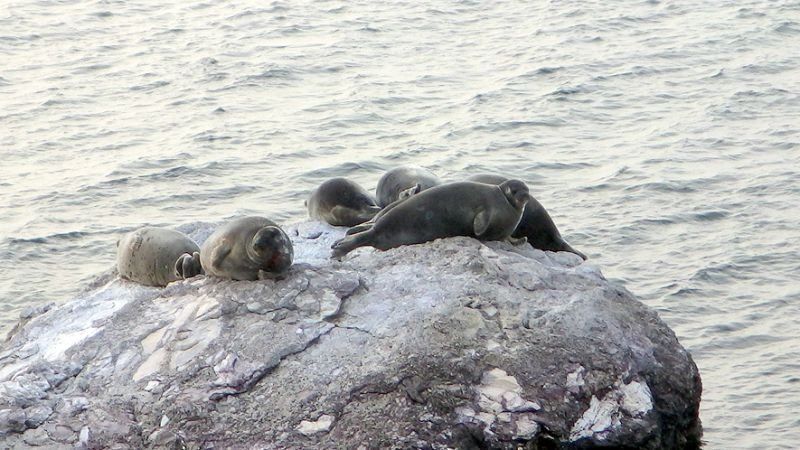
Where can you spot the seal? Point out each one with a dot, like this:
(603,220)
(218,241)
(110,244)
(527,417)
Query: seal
(403,178)
(148,255)
(463,208)
(536,225)
(248,248)
(341,202)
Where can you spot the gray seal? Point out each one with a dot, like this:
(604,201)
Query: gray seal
(463,208)
(394,182)
(536,225)
(249,248)
(341,202)
(148,255)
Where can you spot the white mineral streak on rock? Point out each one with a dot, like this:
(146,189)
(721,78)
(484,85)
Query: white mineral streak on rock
(637,399)
(82,319)
(500,392)
(526,427)
(604,416)
(312,427)
(575,379)
(601,416)
(500,400)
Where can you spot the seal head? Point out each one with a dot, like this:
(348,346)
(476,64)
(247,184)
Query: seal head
(341,202)
(536,225)
(271,249)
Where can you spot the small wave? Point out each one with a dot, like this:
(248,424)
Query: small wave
(64,101)
(661,186)
(91,68)
(274,73)
(50,238)
(560,166)
(149,86)
(710,215)
(788,28)
(210,136)
(344,169)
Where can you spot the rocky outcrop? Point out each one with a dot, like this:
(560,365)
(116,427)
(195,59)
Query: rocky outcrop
(450,344)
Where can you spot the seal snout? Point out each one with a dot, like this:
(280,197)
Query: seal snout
(274,248)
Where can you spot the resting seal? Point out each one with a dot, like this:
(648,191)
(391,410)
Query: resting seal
(536,225)
(341,202)
(148,255)
(455,209)
(403,178)
(249,248)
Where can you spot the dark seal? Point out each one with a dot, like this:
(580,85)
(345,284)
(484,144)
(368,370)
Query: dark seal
(463,208)
(341,202)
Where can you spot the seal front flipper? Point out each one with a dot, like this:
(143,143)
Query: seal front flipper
(481,223)
(218,255)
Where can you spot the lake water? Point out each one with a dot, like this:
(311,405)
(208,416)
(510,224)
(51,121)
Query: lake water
(662,136)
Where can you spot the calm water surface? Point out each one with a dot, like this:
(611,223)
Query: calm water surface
(662,136)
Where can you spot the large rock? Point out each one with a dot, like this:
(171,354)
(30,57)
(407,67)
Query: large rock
(450,344)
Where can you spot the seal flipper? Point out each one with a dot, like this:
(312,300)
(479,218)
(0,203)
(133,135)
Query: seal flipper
(368,224)
(188,266)
(219,254)
(481,223)
(359,228)
(349,243)
(565,247)
(517,241)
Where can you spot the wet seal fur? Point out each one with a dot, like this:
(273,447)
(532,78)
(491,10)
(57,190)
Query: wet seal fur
(341,202)
(536,224)
(463,208)
(394,182)
(249,248)
(148,255)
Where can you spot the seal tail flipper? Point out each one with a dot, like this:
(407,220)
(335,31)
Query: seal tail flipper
(380,213)
(349,243)
(565,247)
(188,266)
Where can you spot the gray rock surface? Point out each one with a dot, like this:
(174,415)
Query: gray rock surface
(449,344)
